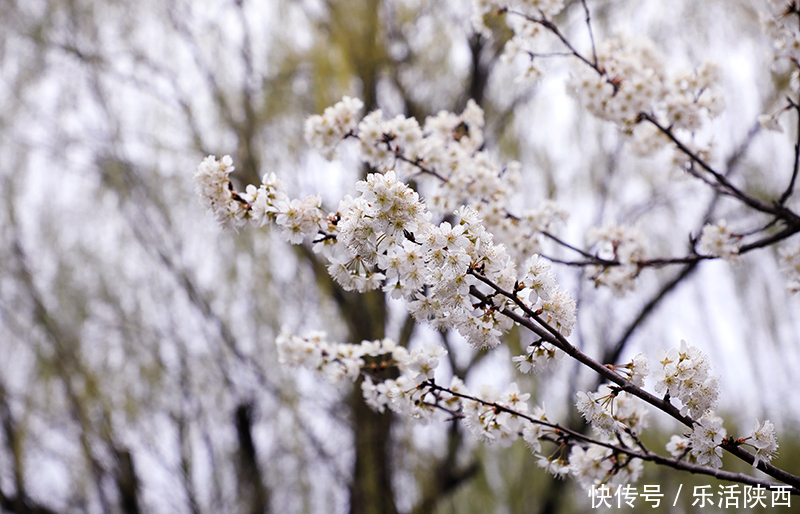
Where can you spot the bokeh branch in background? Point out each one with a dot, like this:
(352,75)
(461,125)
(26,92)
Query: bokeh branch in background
(166,381)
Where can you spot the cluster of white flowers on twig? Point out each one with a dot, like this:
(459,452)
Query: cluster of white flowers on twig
(325,131)
(684,374)
(618,244)
(779,22)
(384,238)
(490,415)
(719,241)
(764,440)
(499,417)
(454,256)
(625,76)
(611,411)
(704,443)
(456,277)
(447,147)
(633,80)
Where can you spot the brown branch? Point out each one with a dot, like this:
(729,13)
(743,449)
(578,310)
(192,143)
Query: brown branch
(591,33)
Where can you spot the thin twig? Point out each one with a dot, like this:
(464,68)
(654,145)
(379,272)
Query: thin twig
(591,34)
(594,258)
(549,25)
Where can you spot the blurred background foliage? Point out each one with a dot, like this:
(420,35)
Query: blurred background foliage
(137,366)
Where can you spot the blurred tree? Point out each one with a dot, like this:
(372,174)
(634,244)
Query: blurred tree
(138,371)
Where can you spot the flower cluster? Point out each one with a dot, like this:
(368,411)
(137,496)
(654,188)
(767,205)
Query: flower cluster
(623,245)
(636,370)
(780,23)
(464,260)
(491,416)
(679,446)
(496,418)
(630,79)
(325,131)
(704,444)
(295,219)
(706,438)
(718,241)
(298,219)
(684,374)
(434,267)
(403,145)
(556,305)
(371,232)
(691,94)
(611,411)
(595,464)
(525,23)
(385,238)
(335,360)
(212,185)
(539,357)
(461,272)
(409,394)
(447,147)
(765,441)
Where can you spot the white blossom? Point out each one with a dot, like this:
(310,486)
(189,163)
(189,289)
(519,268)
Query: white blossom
(532,433)
(623,245)
(375,395)
(684,374)
(678,445)
(325,131)
(782,29)
(420,364)
(591,465)
(538,279)
(765,441)
(298,219)
(596,408)
(335,360)
(212,185)
(555,465)
(718,241)
(706,438)
(610,412)
(539,357)
(559,311)
(639,369)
